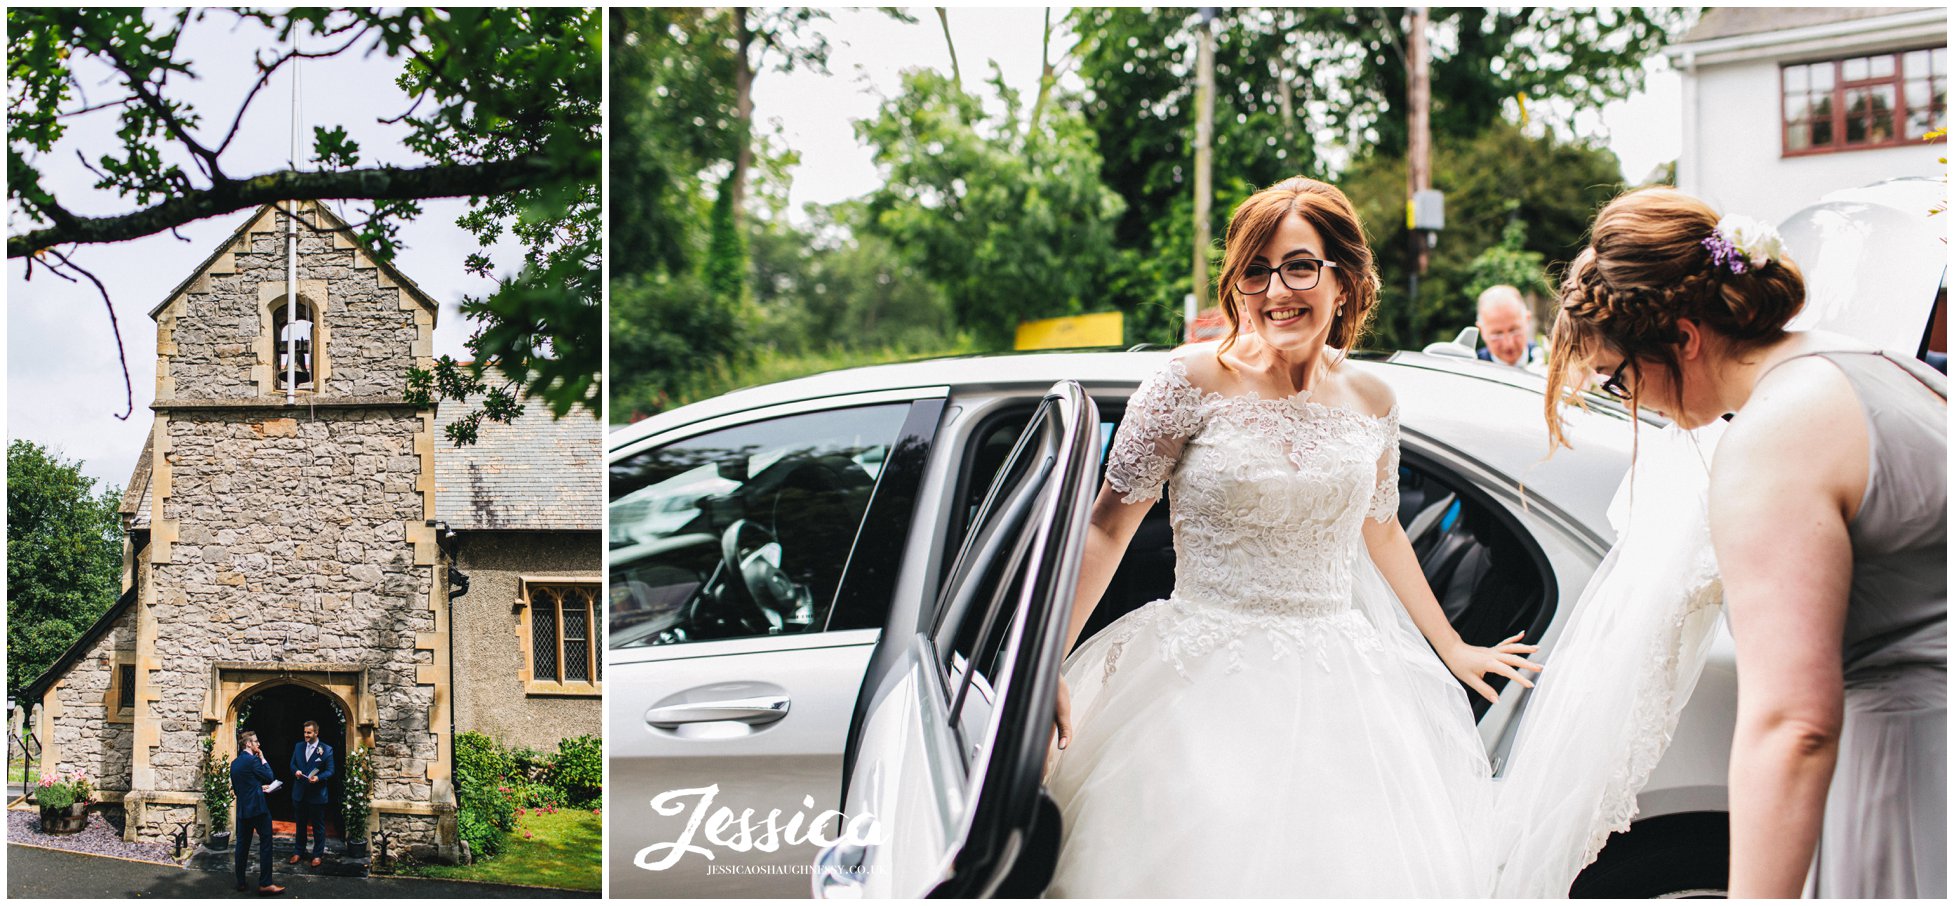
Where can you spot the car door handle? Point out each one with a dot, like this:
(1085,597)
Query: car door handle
(756,710)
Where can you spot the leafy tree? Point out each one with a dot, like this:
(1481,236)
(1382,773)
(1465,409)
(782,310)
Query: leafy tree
(682,163)
(1492,180)
(64,558)
(1312,92)
(837,286)
(505,111)
(1011,222)
(1509,263)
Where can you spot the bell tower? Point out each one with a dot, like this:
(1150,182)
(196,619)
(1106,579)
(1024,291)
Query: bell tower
(288,508)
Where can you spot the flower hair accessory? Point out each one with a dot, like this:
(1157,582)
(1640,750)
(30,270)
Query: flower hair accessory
(1742,243)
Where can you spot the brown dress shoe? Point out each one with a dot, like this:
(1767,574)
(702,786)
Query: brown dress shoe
(294,860)
(270,890)
(315,861)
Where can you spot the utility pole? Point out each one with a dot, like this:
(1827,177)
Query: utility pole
(1418,151)
(1203,157)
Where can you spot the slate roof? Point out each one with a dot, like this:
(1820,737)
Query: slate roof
(1728,21)
(537,473)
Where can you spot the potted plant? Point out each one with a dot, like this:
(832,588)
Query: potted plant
(64,802)
(358,802)
(217,795)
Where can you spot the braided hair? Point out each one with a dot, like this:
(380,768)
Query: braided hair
(1644,271)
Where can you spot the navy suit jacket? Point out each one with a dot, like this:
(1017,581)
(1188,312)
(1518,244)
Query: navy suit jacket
(249,774)
(321,761)
(1486,355)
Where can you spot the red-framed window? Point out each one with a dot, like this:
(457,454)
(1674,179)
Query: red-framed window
(1874,101)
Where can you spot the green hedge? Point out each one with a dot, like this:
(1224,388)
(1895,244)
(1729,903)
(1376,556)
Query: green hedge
(487,806)
(492,781)
(577,771)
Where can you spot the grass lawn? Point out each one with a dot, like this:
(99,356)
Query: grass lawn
(563,850)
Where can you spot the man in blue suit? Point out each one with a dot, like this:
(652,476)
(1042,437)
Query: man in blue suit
(311,768)
(251,779)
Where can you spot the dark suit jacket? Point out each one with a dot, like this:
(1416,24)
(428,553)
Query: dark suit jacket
(304,791)
(249,774)
(1486,355)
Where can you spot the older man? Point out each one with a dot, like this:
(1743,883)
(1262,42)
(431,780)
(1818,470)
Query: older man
(1507,327)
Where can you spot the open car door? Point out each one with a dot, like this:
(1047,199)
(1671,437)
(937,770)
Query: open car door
(942,782)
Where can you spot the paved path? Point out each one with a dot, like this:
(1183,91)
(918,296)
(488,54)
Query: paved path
(36,872)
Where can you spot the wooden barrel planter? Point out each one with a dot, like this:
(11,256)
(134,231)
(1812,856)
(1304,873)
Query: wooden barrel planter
(70,820)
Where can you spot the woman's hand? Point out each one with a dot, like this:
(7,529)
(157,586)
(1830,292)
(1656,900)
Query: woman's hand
(1470,663)
(1062,720)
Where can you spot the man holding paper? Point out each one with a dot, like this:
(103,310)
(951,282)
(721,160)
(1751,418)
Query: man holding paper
(311,768)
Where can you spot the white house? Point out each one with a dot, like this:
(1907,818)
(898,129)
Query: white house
(1782,105)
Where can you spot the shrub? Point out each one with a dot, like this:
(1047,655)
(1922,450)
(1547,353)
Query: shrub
(486,803)
(577,771)
(217,787)
(358,803)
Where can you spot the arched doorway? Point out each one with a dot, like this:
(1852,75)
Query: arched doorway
(278,714)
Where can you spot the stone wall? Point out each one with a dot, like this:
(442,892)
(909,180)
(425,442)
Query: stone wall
(213,338)
(489,693)
(407,831)
(84,738)
(293,547)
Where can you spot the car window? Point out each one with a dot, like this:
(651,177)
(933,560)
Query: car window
(1490,581)
(745,531)
(972,625)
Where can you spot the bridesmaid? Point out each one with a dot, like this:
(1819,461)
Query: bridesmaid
(1828,500)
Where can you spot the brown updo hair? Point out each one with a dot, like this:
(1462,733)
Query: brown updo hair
(1645,269)
(1324,207)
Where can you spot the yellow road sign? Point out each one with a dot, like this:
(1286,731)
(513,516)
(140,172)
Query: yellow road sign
(1105,329)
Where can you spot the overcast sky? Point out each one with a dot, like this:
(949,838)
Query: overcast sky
(64,387)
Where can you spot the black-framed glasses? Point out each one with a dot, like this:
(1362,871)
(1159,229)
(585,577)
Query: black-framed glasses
(1614,387)
(1299,274)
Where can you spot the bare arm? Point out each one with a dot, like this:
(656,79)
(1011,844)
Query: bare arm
(1780,500)
(1391,550)
(1111,529)
(1385,541)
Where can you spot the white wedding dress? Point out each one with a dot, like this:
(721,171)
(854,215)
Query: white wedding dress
(1275,727)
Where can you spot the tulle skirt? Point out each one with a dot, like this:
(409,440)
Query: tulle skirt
(1222,752)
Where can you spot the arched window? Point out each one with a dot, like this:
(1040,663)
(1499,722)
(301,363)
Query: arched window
(305,330)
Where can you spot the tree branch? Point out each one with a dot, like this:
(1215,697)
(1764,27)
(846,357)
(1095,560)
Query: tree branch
(370,183)
(265,78)
(128,389)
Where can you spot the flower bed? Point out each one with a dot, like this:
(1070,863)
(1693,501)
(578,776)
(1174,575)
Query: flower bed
(102,837)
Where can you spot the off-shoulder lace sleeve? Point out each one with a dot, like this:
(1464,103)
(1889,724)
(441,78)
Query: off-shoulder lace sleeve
(1159,419)
(1384,500)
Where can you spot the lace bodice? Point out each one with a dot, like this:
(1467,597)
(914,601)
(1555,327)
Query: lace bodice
(1268,495)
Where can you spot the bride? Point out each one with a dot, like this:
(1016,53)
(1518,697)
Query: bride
(1280,723)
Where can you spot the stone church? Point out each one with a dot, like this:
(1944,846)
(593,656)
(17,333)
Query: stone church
(321,551)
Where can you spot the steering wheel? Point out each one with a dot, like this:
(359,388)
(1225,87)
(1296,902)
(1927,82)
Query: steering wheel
(756,587)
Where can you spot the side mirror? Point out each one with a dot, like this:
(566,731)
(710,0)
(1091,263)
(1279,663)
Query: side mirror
(1465,345)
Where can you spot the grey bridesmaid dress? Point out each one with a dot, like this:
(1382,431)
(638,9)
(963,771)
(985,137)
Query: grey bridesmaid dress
(1885,830)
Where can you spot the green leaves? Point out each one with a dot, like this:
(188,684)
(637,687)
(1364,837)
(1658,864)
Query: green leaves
(1012,224)
(515,92)
(332,150)
(64,557)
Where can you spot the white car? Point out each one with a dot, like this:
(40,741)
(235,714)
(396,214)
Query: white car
(878,595)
